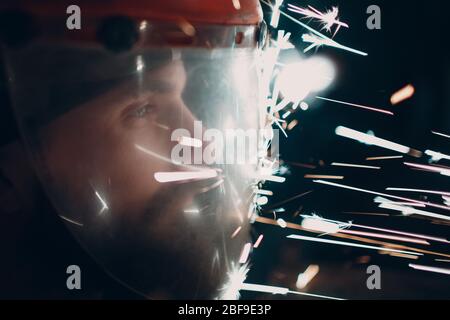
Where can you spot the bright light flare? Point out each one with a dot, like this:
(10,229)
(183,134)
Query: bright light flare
(296,81)
(320,225)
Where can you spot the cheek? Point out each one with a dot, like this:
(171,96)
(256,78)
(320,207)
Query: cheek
(128,171)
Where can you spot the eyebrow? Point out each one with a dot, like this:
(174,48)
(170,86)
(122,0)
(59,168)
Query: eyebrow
(159,86)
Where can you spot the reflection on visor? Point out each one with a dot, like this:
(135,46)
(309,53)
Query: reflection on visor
(101,128)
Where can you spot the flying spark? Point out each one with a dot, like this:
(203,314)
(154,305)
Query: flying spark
(280,290)
(245,253)
(442,193)
(402,94)
(412,211)
(317,176)
(349,244)
(357,105)
(258,241)
(164,177)
(328,19)
(429,269)
(324,39)
(306,277)
(102,201)
(442,170)
(436,156)
(379,194)
(441,134)
(372,140)
(338,164)
(384,158)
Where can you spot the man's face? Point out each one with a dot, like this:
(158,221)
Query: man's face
(102,158)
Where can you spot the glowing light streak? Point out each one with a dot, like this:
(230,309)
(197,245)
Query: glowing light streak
(328,41)
(165,177)
(280,290)
(372,140)
(441,170)
(357,105)
(384,158)
(429,269)
(349,244)
(437,156)
(338,164)
(328,19)
(410,211)
(245,253)
(318,176)
(441,134)
(402,94)
(102,201)
(306,277)
(258,241)
(443,193)
(333,184)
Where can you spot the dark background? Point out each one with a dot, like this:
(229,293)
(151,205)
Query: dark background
(411,48)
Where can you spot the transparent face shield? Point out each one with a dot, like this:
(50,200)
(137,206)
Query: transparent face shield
(149,156)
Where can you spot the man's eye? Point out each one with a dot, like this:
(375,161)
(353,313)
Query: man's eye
(142,111)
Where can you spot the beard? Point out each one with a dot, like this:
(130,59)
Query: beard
(164,252)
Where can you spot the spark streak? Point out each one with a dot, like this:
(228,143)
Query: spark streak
(324,38)
(236,232)
(429,269)
(71,221)
(372,140)
(294,226)
(276,13)
(164,177)
(357,105)
(258,241)
(326,226)
(304,278)
(442,170)
(410,211)
(349,244)
(245,253)
(441,134)
(402,233)
(317,176)
(402,94)
(385,236)
(280,290)
(103,202)
(338,164)
(384,158)
(436,156)
(328,19)
(379,194)
(442,193)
